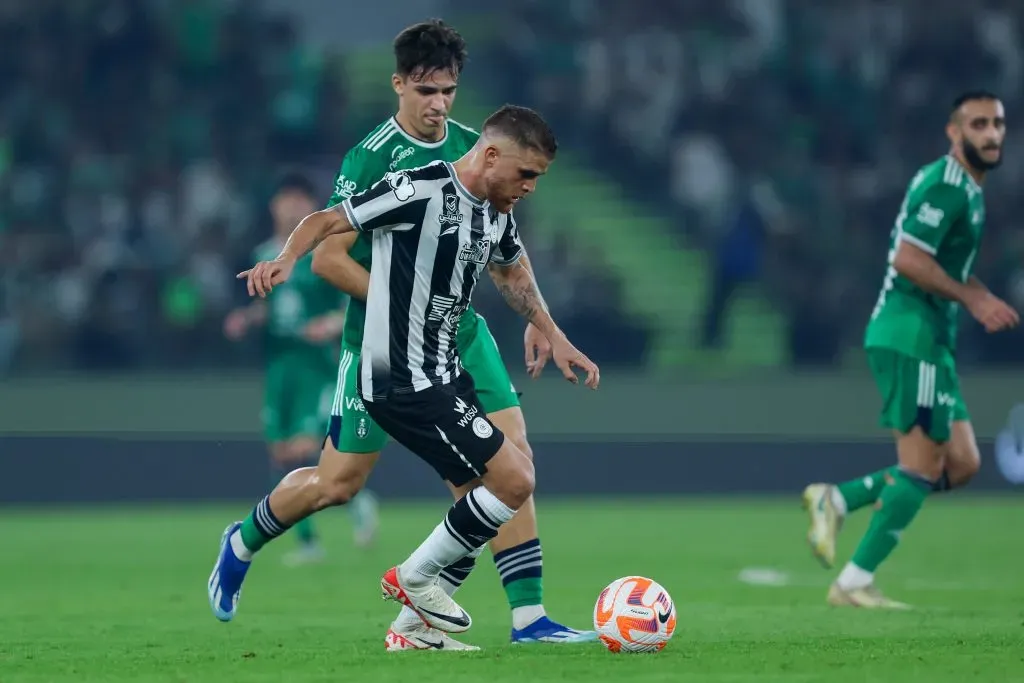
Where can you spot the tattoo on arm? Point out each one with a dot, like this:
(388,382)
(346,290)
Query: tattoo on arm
(519,290)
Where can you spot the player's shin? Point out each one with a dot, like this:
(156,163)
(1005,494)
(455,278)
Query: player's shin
(899,503)
(470,523)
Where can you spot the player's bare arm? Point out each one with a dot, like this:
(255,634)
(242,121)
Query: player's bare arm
(519,289)
(241,319)
(325,328)
(922,269)
(332,262)
(314,229)
(538,348)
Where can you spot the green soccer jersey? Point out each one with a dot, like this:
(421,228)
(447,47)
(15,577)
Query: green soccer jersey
(389,148)
(293,304)
(943,213)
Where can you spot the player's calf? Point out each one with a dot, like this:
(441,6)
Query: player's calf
(921,464)
(963,459)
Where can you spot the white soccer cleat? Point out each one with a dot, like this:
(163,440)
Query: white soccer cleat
(430,603)
(826,521)
(423,638)
(868,597)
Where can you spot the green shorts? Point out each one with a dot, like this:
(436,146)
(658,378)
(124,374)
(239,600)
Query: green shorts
(352,430)
(297,399)
(917,393)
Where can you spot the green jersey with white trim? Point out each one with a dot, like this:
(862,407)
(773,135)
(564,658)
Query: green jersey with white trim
(943,214)
(389,148)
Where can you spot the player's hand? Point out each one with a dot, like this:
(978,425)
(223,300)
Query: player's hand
(236,324)
(322,329)
(265,275)
(992,312)
(567,357)
(538,350)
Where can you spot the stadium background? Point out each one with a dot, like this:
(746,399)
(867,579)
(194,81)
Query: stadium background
(713,234)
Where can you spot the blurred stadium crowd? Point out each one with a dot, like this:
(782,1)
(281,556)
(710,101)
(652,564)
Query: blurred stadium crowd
(139,140)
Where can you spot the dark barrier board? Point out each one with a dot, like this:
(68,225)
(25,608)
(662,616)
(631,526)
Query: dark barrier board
(64,470)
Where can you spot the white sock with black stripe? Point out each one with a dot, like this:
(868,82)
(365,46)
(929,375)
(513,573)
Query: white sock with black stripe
(470,523)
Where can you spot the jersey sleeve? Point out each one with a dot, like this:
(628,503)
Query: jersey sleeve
(355,175)
(509,248)
(392,202)
(935,209)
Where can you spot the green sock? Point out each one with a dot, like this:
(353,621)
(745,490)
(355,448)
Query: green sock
(865,490)
(261,526)
(520,568)
(900,500)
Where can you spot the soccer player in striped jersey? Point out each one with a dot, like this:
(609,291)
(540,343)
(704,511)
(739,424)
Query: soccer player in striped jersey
(429,58)
(434,231)
(911,346)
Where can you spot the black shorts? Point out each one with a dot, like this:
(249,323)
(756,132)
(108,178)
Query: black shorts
(444,425)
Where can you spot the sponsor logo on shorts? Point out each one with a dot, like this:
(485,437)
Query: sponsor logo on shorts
(362,428)
(355,403)
(481,428)
(467,412)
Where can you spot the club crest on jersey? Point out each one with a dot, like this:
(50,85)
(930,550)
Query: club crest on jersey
(451,216)
(477,252)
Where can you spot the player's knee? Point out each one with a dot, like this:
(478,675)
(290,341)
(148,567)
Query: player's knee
(520,485)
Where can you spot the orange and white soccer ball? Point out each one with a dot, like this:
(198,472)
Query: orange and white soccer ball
(634,614)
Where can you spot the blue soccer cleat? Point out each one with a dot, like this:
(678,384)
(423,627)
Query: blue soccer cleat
(544,630)
(225,585)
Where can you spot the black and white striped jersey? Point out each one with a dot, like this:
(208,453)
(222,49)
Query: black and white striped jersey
(432,240)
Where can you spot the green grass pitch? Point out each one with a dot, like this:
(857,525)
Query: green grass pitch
(119,595)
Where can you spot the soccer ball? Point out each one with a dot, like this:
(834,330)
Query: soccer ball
(634,614)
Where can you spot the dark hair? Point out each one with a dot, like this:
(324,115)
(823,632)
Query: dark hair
(295,181)
(524,126)
(429,46)
(971,96)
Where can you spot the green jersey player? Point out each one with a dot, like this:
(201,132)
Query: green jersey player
(429,59)
(911,347)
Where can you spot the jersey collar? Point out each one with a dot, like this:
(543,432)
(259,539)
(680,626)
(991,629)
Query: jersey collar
(470,197)
(967,174)
(421,143)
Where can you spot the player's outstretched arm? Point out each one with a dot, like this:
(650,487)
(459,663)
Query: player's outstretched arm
(519,289)
(922,269)
(314,229)
(332,262)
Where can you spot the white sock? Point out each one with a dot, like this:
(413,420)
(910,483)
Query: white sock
(838,501)
(524,616)
(853,577)
(470,523)
(241,552)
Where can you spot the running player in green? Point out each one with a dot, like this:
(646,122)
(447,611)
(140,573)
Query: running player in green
(429,59)
(302,323)
(911,348)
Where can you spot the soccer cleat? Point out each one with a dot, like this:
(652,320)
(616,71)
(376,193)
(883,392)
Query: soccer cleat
(225,585)
(423,638)
(430,603)
(365,518)
(825,522)
(307,553)
(869,597)
(543,630)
